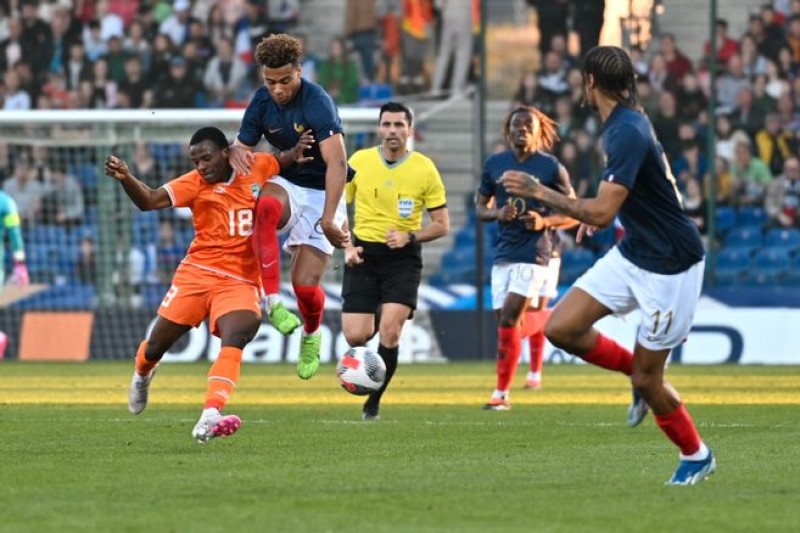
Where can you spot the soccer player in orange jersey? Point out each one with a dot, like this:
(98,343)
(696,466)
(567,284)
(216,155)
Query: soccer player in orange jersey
(218,278)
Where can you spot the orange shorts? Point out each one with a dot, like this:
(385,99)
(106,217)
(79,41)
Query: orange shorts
(196,294)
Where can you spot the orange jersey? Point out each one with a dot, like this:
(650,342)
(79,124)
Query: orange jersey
(223,218)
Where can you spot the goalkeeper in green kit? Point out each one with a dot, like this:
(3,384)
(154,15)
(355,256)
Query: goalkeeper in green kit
(19,274)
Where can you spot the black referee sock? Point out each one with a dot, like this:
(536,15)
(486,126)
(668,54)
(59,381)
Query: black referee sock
(389,356)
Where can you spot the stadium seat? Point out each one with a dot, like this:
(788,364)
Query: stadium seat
(463,274)
(733,265)
(725,219)
(457,258)
(39,258)
(793,274)
(85,173)
(60,297)
(465,238)
(744,237)
(603,240)
(574,263)
(47,234)
(770,266)
(788,239)
(144,225)
(752,216)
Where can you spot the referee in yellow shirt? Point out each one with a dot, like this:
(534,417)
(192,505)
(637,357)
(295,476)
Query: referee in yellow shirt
(383,263)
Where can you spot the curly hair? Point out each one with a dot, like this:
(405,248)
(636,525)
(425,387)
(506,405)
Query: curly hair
(279,50)
(548,134)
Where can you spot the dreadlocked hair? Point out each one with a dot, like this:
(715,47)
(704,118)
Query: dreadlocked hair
(548,128)
(613,73)
(278,50)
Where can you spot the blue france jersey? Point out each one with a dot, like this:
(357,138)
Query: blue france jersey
(312,109)
(659,236)
(515,243)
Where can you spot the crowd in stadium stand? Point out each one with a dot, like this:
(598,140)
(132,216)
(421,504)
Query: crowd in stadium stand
(128,54)
(107,54)
(757,124)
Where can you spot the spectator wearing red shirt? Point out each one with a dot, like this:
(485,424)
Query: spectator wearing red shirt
(678,65)
(726,46)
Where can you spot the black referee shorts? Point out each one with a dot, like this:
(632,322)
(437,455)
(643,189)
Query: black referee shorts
(385,276)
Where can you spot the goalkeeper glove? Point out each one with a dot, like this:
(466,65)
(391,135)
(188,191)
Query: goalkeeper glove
(19,275)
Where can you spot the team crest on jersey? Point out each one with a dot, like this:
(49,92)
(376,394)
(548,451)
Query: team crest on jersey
(254,188)
(405,206)
(299,128)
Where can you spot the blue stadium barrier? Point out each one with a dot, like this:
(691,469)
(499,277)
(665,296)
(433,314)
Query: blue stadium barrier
(725,219)
(751,216)
(770,266)
(733,264)
(574,263)
(744,237)
(788,239)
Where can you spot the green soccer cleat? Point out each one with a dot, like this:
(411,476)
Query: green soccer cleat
(282,319)
(308,364)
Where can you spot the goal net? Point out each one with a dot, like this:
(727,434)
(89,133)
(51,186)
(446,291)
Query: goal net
(98,266)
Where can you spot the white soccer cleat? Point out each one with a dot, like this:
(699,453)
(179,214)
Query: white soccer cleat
(139,390)
(213,424)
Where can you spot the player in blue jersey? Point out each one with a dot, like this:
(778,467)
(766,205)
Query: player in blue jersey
(656,268)
(19,275)
(522,252)
(306,200)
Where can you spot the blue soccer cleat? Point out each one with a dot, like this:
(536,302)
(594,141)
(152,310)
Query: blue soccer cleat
(638,409)
(693,472)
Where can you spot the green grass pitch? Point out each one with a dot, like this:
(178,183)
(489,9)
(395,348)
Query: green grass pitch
(73,459)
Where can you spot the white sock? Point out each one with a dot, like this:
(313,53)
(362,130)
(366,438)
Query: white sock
(273,300)
(535,376)
(699,455)
(211,411)
(499,394)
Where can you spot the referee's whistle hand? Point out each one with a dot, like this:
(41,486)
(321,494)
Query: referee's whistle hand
(352,255)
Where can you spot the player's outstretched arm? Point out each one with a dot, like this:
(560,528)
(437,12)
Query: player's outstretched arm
(335,157)
(143,196)
(297,153)
(599,211)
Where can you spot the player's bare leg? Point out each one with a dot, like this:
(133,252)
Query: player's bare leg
(571,328)
(164,334)
(236,329)
(697,462)
(308,266)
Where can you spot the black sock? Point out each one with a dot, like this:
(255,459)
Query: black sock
(389,356)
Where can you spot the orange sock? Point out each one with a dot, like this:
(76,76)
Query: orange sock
(143,366)
(222,377)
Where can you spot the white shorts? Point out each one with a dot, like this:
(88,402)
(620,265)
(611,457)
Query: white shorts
(667,301)
(303,225)
(517,278)
(550,287)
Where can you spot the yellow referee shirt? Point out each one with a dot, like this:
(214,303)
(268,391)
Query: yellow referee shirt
(391,196)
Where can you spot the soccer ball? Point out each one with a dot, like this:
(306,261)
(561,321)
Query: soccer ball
(361,371)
